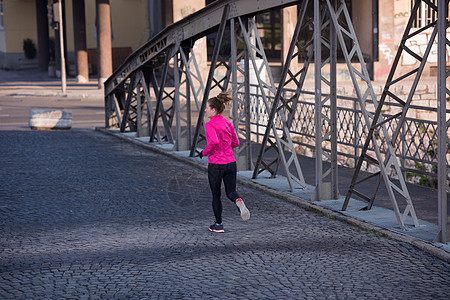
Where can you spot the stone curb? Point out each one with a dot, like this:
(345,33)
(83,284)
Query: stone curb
(421,244)
(59,95)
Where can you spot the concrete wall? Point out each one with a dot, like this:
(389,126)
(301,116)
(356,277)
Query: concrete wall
(182,9)
(394,16)
(387,39)
(16,30)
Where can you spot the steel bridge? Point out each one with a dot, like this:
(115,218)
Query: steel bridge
(159,92)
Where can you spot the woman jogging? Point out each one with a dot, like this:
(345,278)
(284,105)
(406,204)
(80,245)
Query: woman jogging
(221,139)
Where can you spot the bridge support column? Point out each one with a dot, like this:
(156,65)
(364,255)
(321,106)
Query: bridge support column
(104,41)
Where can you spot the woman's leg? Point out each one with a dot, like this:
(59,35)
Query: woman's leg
(215,181)
(229,179)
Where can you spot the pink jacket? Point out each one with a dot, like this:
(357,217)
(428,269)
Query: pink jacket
(221,139)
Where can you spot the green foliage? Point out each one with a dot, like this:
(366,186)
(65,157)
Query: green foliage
(378,233)
(425,181)
(422,127)
(435,169)
(418,165)
(431,152)
(29,49)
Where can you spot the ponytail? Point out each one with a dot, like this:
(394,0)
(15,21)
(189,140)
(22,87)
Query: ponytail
(218,102)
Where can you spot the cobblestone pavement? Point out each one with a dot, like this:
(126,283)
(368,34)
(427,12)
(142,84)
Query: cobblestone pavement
(85,215)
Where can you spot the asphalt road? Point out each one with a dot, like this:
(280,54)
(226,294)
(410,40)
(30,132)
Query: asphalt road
(87,113)
(85,215)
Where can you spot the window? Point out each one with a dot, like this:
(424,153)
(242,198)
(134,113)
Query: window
(425,14)
(269,29)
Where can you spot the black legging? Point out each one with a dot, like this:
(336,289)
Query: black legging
(217,173)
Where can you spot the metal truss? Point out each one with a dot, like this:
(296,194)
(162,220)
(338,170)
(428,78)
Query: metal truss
(195,87)
(160,110)
(187,82)
(396,121)
(191,27)
(147,111)
(144,111)
(284,147)
(129,105)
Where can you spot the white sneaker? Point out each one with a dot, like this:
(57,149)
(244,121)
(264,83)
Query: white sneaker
(245,214)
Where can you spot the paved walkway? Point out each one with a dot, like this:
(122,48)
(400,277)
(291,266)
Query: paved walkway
(85,215)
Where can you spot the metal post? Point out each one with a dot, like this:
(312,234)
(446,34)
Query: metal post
(318,96)
(176,81)
(442,92)
(333,111)
(58,8)
(188,103)
(138,105)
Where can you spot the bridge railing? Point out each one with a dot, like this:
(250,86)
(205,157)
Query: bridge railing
(416,150)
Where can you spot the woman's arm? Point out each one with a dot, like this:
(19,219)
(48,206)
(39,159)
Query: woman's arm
(234,138)
(211,138)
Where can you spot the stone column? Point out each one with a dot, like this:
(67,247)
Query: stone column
(104,41)
(42,33)
(79,33)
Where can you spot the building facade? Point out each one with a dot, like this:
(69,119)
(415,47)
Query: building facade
(379,25)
